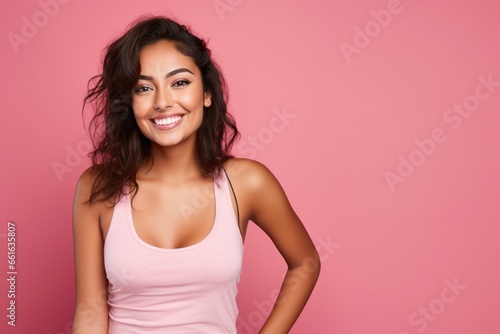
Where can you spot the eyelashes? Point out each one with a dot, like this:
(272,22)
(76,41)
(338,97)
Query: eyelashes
(181,82)
(178,83)
(142,89)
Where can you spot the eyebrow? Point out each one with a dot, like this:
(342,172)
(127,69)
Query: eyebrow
(168,75)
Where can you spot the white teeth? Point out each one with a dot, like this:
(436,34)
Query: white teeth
(168,120)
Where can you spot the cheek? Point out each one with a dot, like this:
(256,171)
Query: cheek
(139,108)
(140,119)
(192,101)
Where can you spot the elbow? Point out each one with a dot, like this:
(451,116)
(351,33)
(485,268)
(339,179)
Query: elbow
(315,267)
(308,268)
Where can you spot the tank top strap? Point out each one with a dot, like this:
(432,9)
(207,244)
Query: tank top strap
(118,228)
(227,214)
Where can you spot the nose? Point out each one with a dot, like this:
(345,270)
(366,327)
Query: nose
(163,99)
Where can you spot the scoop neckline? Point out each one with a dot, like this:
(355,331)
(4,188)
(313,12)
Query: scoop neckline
(172,250)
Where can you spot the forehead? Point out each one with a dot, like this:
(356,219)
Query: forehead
(163,57)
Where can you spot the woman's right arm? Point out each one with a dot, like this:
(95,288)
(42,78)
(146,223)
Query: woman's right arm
(91,308)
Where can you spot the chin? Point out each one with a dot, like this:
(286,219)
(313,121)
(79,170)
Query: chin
(173,140)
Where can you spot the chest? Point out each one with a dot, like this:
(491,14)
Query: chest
(180,236)
(174,217)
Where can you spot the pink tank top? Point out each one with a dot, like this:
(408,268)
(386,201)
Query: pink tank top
(185,290)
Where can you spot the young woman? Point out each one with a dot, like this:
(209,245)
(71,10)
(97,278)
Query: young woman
(160,217)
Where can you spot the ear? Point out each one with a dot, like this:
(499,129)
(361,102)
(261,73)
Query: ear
(207,99)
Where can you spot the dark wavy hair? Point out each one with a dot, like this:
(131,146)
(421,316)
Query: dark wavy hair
(119,146)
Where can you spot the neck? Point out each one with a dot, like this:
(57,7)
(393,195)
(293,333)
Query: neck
(172,164)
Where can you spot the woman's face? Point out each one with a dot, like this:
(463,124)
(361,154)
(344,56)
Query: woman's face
(168,99)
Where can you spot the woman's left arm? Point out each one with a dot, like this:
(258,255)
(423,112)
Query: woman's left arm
(272,212)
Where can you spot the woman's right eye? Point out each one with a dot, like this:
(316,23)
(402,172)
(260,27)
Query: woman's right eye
(142,89)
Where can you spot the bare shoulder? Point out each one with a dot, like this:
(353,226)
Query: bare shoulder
(84,189)
(251,175)
(84,184)
(86,179)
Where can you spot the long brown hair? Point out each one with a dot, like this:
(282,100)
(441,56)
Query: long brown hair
(119,146)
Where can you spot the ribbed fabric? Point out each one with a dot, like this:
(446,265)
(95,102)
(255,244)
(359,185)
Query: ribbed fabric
(181,291)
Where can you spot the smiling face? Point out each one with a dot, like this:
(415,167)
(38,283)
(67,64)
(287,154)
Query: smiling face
(168,99)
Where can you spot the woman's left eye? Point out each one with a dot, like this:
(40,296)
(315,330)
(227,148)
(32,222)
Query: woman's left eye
(181,83)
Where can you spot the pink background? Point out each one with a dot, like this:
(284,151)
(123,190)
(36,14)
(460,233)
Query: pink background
(399,192)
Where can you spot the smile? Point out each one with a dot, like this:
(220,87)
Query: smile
(167,121)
